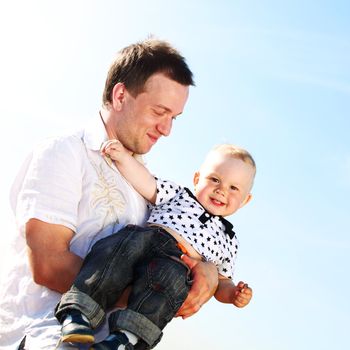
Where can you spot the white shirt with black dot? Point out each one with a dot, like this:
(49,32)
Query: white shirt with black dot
(210,235)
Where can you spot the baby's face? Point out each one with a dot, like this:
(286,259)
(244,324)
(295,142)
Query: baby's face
(223,184)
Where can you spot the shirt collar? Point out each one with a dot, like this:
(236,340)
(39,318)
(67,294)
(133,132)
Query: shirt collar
(206,216)
(95,135)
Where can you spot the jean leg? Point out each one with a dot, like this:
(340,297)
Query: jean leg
(166,283)
(160,287)
(106,272)
(74,299)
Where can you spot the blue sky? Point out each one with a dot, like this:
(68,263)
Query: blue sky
(271,76)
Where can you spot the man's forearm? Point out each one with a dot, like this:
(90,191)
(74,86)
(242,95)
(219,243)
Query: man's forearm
(52,263)
(57,272)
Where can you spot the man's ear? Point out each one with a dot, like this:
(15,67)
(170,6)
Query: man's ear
(196,178)
(118,96)
(246,200)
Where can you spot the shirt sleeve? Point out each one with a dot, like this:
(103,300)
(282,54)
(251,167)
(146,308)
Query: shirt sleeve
(228,265)
(51,184)
(166,190)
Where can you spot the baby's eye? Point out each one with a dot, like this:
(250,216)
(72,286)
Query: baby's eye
(234,188)
(214,179)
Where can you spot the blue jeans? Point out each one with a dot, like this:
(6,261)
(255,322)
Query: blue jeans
(146,257)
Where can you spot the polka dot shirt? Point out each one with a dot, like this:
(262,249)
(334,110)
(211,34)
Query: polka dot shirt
(210,235)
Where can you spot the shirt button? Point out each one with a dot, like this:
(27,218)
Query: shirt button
(206,215)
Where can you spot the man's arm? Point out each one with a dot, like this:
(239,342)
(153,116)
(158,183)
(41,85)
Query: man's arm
(51,262)
(205,282)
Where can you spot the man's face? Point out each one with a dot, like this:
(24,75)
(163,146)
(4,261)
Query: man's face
(149,115)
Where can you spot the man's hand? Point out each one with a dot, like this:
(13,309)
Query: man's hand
(205,282)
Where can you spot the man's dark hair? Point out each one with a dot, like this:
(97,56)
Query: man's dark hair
(137,62)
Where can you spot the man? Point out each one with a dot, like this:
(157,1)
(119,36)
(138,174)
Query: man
(67,196)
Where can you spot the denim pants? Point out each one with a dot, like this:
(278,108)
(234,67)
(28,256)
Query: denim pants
(146,257)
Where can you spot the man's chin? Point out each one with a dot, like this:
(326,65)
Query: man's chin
(142,150)
(146,149)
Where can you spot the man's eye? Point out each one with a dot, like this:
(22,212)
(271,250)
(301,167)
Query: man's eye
(159,112)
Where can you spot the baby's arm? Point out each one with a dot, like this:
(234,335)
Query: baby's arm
(228,292)
(133,171)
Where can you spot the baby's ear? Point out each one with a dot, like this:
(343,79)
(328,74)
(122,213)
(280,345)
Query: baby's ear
(246,200)
(196,178)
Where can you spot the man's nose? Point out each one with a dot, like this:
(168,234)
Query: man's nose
(164,127)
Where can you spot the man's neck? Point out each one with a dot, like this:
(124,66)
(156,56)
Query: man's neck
(106,119)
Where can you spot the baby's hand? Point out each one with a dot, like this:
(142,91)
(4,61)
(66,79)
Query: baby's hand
(242,295)
(112,149)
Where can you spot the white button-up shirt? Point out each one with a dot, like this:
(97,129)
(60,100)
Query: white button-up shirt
(64,181)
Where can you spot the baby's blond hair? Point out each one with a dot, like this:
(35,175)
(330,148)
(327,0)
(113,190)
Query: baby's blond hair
(235,152)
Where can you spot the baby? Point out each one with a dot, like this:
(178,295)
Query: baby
(180,222)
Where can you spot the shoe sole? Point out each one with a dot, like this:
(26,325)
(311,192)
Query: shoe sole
(78,338)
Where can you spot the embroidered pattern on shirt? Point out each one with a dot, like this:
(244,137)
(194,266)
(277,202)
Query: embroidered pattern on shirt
(106,196)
